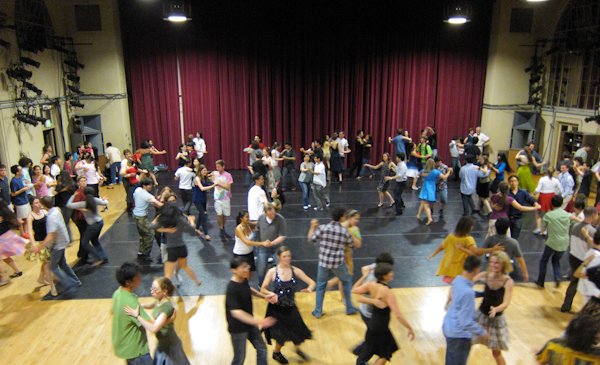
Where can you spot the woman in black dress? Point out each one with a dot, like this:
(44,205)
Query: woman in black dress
(336,163)
(379,340)
(289,325)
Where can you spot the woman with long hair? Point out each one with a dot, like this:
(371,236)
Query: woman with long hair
(88,168)
(413,164)
(336,162)
(289,326)
(94,222)
(46,154)
(270,163)
(173,223)
(496,299)
(36,229)
(500,167)
(379,339)
(243,246)
(386,166)
(275,152)
(525,161)
(39,181)
(8,221)
(201,186)
(49,179)
(169,350)
(483,185)
(428,192)
(501,203)
(65,187)
(147,150)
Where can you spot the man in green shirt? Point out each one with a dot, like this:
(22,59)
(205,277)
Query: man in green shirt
(558,223)
(424,150)
(128,335)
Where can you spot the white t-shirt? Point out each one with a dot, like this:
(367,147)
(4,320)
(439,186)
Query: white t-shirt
(483,138)
(200,146)
(343,143)
(185,177)
(256,199)
(113,154)
(54,170)
(321,178)
(585,286)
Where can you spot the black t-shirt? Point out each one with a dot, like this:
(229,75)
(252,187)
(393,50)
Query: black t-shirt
(290,164)
(5,190)
(433,141)
(586,182)
(238,296)
(472,150)
(259,167)
(319,152)
(358,148)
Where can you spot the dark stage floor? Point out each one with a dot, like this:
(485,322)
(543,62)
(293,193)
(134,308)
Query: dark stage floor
(409,241)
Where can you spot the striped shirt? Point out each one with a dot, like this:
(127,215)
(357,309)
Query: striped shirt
(333,238)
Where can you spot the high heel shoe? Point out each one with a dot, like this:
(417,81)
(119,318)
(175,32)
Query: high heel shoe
(17,274)
(380,205)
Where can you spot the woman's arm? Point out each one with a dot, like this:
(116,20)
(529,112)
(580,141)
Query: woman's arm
(150,326)
(50,184)
(439,249)
(239,233)
(390,299)
(202,187)
(30,226)
(515,204)
(447,174)
(157,152)
(79,205)
(376,167)
(506,301)
(311,283)
(268,279)
(44,159)
(482,251)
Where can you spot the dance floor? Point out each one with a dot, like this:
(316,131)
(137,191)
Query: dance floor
(409,240)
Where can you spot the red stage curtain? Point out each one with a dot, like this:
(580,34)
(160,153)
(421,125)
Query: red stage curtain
(298,70)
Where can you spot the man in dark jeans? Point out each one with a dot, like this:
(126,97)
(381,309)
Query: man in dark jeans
(459,323)
(289,165)
(358,154)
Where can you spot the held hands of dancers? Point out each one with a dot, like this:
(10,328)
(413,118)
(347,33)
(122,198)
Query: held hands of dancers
(266,322)
(271,298)
(493,311)
(268,243)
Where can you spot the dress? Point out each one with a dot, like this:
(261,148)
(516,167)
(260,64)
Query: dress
(335,161)
(39,231)
(429,188)
(276,170)
(496,327)
(385,171)
(526,178)
(169,350)
(413,167)
(147,162)
(289,326)
(379,339)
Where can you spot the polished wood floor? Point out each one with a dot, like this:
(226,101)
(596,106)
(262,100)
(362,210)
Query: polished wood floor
(79,331)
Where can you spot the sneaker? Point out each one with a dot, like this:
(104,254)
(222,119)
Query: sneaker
(328,204)
(25,235)
(545,233)
(306,207)
(301,354)
(144,257)
(310,206)
(222,232)
(277,356)
(178,277)
(537,231)
(415,188)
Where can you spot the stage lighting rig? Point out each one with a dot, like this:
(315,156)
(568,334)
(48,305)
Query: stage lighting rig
(74,64)
(30,62)
(76,104)
(596,117)
(75,89)
(73,78)
(19,74)
(23,118)
(33,88)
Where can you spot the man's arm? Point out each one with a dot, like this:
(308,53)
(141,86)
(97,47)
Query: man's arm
(523,266)
(464,313)
(314,224)
(49,239)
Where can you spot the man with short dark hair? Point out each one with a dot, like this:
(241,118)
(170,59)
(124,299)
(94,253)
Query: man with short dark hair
(358,154)
(586,180)
(400,178)
(4,186)
(55,163)
(511,245)
(238,309)
(459,323)
(113,155)
(471,149)
(142,198)
(424,149)
(289,165)
(522,197)
(583,151)
(456,149)
(579,247)
(25,163)
(567,183)
(333,239)
(399,142)
(199,146)
(441,185)
(185,175)
(468,183)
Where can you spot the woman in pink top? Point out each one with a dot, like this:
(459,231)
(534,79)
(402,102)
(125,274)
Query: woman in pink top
(88,168)
(501,204)
(39,182)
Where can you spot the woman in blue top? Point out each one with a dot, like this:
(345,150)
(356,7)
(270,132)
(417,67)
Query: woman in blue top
(430,174)
(201,186)
(499,168)
(413,164)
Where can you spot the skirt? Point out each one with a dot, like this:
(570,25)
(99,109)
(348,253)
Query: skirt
(545,200)
(173,355)
(289,326)
(276,173)
(42,257)
(412,172)
(496,328)
(483,190)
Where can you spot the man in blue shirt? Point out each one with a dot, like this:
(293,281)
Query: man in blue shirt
(468,176)
(398,142)
(459,323)
(18,193)
(142,199)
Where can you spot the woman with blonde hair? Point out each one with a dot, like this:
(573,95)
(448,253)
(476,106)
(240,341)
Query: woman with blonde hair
(496,299)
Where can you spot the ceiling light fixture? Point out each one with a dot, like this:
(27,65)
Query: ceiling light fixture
(19,74)
(30,62)
(177,11)
(458,13)
(75,90)
(76,104)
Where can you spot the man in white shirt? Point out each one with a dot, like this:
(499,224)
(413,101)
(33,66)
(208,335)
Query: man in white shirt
(55,167)
(319,183)
(199,146)
(185,175)
(257,198)
(400,178)
(114,159)
(483,139)
(343,143)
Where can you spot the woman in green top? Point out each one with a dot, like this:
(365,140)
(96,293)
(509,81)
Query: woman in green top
(169,350)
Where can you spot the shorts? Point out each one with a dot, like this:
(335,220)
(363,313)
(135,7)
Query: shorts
(443,194)
(249,259)
(23,210)
(177,252)
(223,207)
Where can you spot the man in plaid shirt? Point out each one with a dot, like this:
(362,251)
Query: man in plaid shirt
(333,239)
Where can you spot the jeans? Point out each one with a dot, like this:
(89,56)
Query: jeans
(115,178)
(356,166)
(288,171)
(186,198)
(321,197)
(305,193)
(144,359)
(81,226)
(262,255)
(398,190)
(66,214)
(433,153)
(556,255)
(457,350)
(238,341)
(574,262)
(58,265)
(323,275)
(362,170)
(468,205)
(455,164)
(202,217)
(92,233)
(515,227)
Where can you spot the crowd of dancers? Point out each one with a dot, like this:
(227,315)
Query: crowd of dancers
(40,201)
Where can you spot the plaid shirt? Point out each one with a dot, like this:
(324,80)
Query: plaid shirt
(333,238)
(442,183)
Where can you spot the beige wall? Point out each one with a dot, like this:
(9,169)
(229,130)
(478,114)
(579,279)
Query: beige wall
(104,74)
(506,81)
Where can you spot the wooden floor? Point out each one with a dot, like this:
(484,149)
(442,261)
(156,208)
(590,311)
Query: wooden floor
(79,331)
